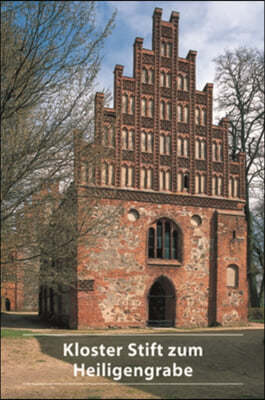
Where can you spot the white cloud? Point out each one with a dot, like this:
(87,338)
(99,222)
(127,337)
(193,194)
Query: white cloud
(209,27)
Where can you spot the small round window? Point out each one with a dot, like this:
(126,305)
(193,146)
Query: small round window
(196,220)
(133,215)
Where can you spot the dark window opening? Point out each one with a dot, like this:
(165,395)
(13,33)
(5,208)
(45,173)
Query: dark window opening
(186,181)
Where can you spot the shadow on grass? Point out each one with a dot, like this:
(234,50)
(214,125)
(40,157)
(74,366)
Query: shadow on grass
(23,320)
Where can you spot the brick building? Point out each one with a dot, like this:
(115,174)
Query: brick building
(176,254)
(19,284)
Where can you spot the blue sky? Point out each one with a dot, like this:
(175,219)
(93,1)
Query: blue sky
(209,27)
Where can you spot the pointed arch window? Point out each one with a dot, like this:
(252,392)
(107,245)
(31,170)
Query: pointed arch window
(164,240)
(91,174)
(186,114)
(180,113)
(204,117)
(125,138)
(106,136)
(145,76)
(162,79)
(144,141)
(185,83)
(168,80)
(151,76)
(180,82)
(168,111)
(151,108)
(197,116)
(125,103)
(169,49)
(186,181)
(162,110)
(131,105)
(144,107)
(131,140)
(163,49)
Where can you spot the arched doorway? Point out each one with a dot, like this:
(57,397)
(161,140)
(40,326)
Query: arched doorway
(161,303)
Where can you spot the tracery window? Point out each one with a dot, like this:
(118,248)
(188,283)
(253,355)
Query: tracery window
(164,240)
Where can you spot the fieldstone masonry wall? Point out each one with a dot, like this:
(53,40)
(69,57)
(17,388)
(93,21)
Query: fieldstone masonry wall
(119,266)
(231,250)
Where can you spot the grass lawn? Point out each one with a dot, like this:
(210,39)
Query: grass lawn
(14,333)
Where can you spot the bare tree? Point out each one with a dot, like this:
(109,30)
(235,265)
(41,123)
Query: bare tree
(240,82)
(258,248)
(50,56)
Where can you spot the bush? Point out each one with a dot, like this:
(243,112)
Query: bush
(256,314)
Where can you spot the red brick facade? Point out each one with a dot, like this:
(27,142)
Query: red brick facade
(176,254)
